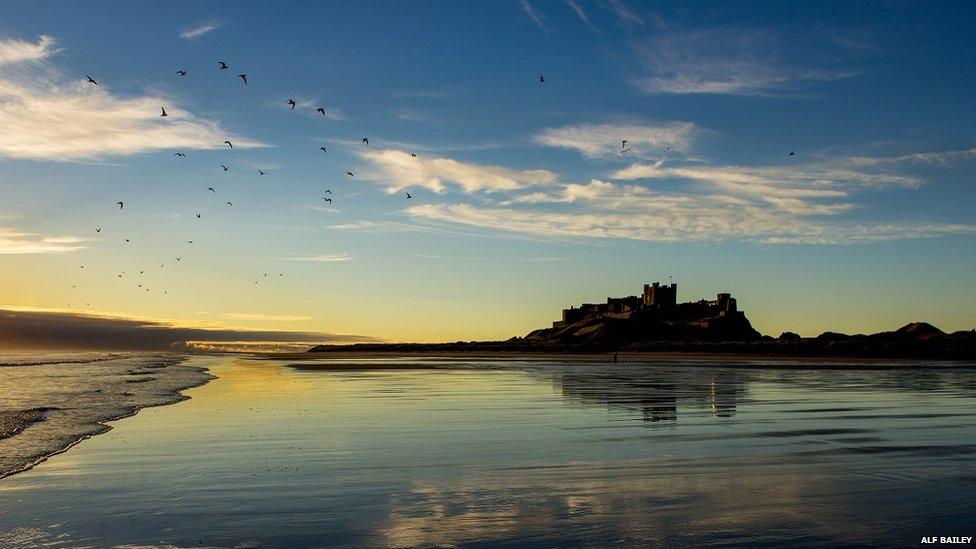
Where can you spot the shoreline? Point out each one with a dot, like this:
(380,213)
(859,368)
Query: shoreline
(102,424)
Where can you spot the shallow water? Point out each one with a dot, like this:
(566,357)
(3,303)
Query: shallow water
(519,453)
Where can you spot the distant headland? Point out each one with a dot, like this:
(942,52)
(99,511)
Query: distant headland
(656,322)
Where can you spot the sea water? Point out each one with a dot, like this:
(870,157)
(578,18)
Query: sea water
(528,453)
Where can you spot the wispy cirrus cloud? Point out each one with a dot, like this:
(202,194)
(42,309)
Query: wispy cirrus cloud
(17,242)
(534,15)
(326,258)
(309,108)
(409,114)
(724,61)
(581,13)
(266,318)
(625,13)
(605,140)
(45,117)
(399,170)
(201,29)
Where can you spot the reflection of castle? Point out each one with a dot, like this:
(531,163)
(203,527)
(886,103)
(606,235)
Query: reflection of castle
(658,303)
(655,393)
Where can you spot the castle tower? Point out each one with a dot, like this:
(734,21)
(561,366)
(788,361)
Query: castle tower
(657,296)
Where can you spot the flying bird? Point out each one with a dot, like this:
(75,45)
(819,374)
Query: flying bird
(221,65)
(792,153)
(198,217)
(413,155)
(262,172)
(164,111)
(98,229)
(542,79)
(328,191)
(320,110)
(623,144)
(409,196)
(224,167)
(323,149)
(350,174)
(211,189)
(625,151)
(127,240)
(229,204)
(91,80)
(292,103)
(365,141)
(180,258)
(229,144)
(181,72)
(189,242)
(121,205)
(243,77)
(327,199)
(179,154)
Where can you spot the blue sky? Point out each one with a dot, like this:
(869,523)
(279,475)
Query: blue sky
(522,199)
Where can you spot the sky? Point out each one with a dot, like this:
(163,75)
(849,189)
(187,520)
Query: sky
(523,199)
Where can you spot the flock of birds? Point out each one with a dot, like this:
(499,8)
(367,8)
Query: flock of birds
(292,104)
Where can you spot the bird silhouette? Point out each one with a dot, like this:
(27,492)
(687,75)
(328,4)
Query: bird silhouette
(211,189)
(229,204)
(413,155)
(292,103)
(365,141)
(323,149)
(98,229)
(542,79)
(262,172)
(181,72)
(164,111)
(320,110)
(127,240)
(327,199)
(198,216)
(91,80)
(229,144)
(409,196)
(243,77)
(189,242)
(179,154)
(328,191)
(623,144)
(121,205)
(224,167)
(792,153)
(625,151)
(350,174)
(221,65)
(180,258)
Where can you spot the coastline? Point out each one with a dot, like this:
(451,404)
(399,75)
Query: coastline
(124,394)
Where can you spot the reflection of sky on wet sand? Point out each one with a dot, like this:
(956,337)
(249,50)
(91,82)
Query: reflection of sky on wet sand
(530,454)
